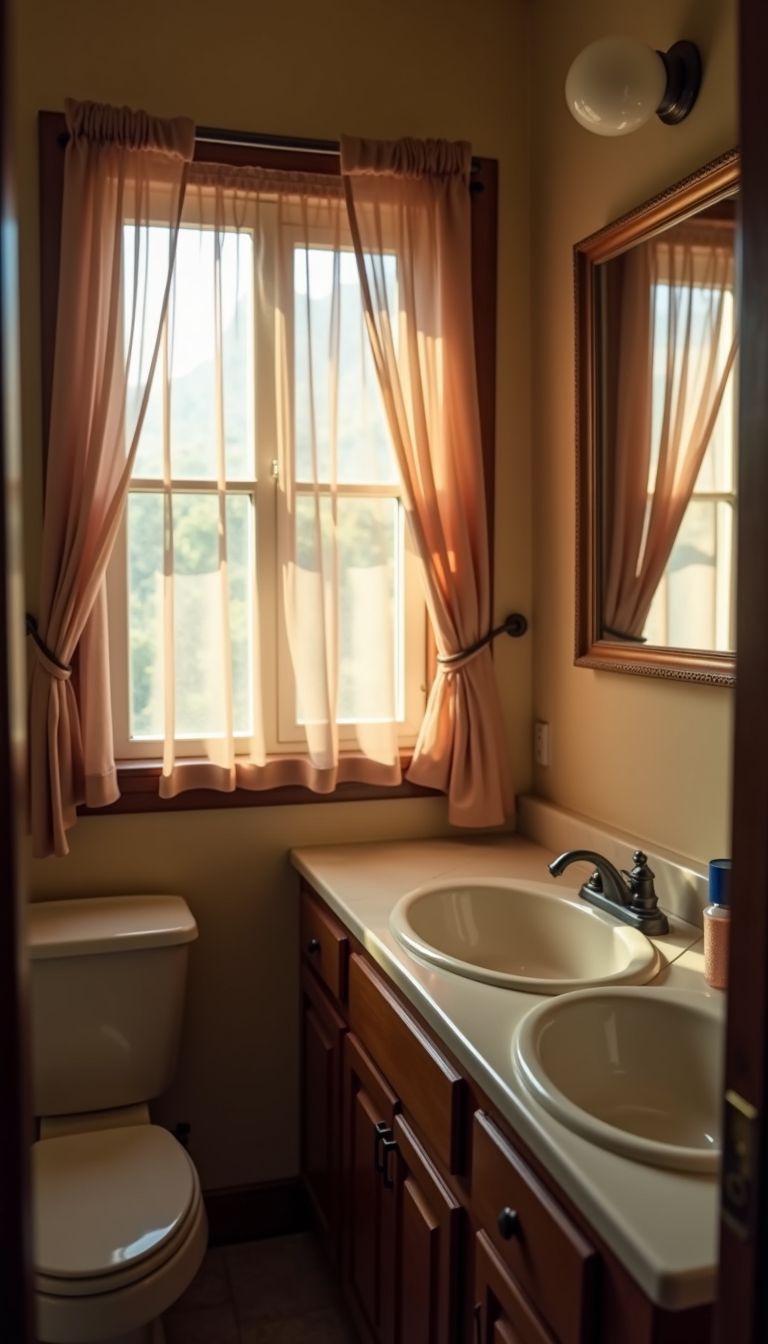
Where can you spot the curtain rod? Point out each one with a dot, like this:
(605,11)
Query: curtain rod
(215,135)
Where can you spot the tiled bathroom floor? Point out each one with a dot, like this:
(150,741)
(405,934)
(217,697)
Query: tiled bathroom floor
(278,1291)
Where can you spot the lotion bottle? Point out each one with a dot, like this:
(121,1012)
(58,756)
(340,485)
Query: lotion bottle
(717,924)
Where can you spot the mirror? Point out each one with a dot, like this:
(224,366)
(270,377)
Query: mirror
(656,360)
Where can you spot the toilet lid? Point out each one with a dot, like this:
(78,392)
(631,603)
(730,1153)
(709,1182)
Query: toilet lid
(107,1199)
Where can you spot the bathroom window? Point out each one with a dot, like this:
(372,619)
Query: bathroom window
(218,516)
(214,478)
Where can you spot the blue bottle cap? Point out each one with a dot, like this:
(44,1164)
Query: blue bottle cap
(719,881)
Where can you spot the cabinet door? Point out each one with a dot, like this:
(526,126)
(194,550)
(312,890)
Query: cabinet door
(502,1313)
(322,1033)
(427,1231)
(369,1112)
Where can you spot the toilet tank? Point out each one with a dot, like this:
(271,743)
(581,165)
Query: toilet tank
(107,979)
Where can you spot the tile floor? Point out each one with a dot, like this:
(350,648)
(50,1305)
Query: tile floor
(278,1291)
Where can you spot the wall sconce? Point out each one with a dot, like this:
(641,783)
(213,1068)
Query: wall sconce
(615,85)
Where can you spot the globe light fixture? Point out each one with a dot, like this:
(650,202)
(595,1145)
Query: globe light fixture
(615,85)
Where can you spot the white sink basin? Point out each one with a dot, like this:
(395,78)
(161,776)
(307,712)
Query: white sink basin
(638,1071)
(521,935)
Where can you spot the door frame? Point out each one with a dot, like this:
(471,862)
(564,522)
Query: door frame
(15,1117)
(742,1307)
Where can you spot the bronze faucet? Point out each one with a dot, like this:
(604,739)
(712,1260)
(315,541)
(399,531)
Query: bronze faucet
(634,901)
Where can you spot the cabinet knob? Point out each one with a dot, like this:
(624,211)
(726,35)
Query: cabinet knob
(508,1223)
(313,945)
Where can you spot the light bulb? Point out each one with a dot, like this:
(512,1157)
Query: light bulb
(615,85)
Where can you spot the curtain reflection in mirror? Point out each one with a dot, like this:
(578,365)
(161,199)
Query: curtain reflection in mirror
(669,493)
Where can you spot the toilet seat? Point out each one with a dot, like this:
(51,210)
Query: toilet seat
(111,1206)
(125,1278)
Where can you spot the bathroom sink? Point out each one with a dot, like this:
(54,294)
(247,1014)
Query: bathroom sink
(637,1071)
(521,935)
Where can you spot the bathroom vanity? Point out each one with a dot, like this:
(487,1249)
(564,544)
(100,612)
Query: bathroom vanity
(457,1210)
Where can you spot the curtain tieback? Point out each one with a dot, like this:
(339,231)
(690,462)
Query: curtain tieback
(45,656)
(513,625)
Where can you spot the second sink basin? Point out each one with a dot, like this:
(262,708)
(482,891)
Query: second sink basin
(521,935)
(638,1071)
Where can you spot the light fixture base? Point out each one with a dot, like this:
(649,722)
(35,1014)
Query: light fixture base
(683,66)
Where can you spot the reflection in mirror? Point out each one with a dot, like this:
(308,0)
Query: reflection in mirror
(668,438)
(656,361)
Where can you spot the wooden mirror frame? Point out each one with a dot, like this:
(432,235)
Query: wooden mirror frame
(703,188)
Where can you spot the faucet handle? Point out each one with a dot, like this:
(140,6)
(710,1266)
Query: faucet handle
(644,898)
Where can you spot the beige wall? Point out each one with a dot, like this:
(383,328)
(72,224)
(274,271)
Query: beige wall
(418,67)
(648,756)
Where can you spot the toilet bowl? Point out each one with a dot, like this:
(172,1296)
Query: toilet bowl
(120,1231)
(118,1217)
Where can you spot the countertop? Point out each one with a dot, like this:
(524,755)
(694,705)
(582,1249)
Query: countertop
(661,1225)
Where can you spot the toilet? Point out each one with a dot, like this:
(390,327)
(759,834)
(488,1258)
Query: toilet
(119,1222)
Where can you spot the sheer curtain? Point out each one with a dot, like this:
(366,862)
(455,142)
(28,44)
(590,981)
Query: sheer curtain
(672,328)
(120,165)
(411,199)
(265,437)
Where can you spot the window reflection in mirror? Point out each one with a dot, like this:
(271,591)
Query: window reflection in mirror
(656,379)
(668,436)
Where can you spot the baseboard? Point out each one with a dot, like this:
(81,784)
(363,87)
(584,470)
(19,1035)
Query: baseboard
(250,1212)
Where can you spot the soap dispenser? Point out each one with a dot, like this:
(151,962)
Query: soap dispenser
(717,924)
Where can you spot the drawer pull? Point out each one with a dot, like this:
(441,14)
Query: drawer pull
(388,1145)
(313,945)
(478,1323)
(381,1131)
(508,1223)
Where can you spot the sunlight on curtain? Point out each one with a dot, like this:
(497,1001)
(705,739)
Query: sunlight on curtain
(118,165)
(678,345)
(266,542)
(411,198)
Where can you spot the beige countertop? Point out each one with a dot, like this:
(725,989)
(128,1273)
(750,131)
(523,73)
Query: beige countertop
(661,1225)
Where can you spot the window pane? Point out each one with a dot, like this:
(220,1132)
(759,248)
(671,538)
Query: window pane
(206,610)
(360,555)
(213,272)
(145,614)
(696,306)
(213,269)
(331,339)
(145,273)
(242,570)
(692,608)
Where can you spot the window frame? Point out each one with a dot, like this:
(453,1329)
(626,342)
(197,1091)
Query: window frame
(138,780)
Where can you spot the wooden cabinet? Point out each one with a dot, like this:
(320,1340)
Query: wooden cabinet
(368,1185)
(446,1230)
(549,1257)
(502,1315)
(322,1035)
(430,1088)
(324,944)
(428,1223)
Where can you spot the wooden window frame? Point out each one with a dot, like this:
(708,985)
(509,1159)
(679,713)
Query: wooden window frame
(139,780)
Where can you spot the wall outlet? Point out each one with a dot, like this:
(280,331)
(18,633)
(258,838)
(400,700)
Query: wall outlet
(541,745)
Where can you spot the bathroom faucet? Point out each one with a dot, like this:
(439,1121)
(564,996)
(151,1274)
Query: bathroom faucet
(634,901)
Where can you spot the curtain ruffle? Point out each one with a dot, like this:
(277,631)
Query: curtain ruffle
(406,157)
(99,124)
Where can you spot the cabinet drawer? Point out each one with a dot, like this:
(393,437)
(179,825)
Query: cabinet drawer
(430,1089)
(324,943)
(547,1254)
(502,1314)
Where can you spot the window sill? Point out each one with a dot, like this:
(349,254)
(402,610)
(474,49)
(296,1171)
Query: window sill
(139,784)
